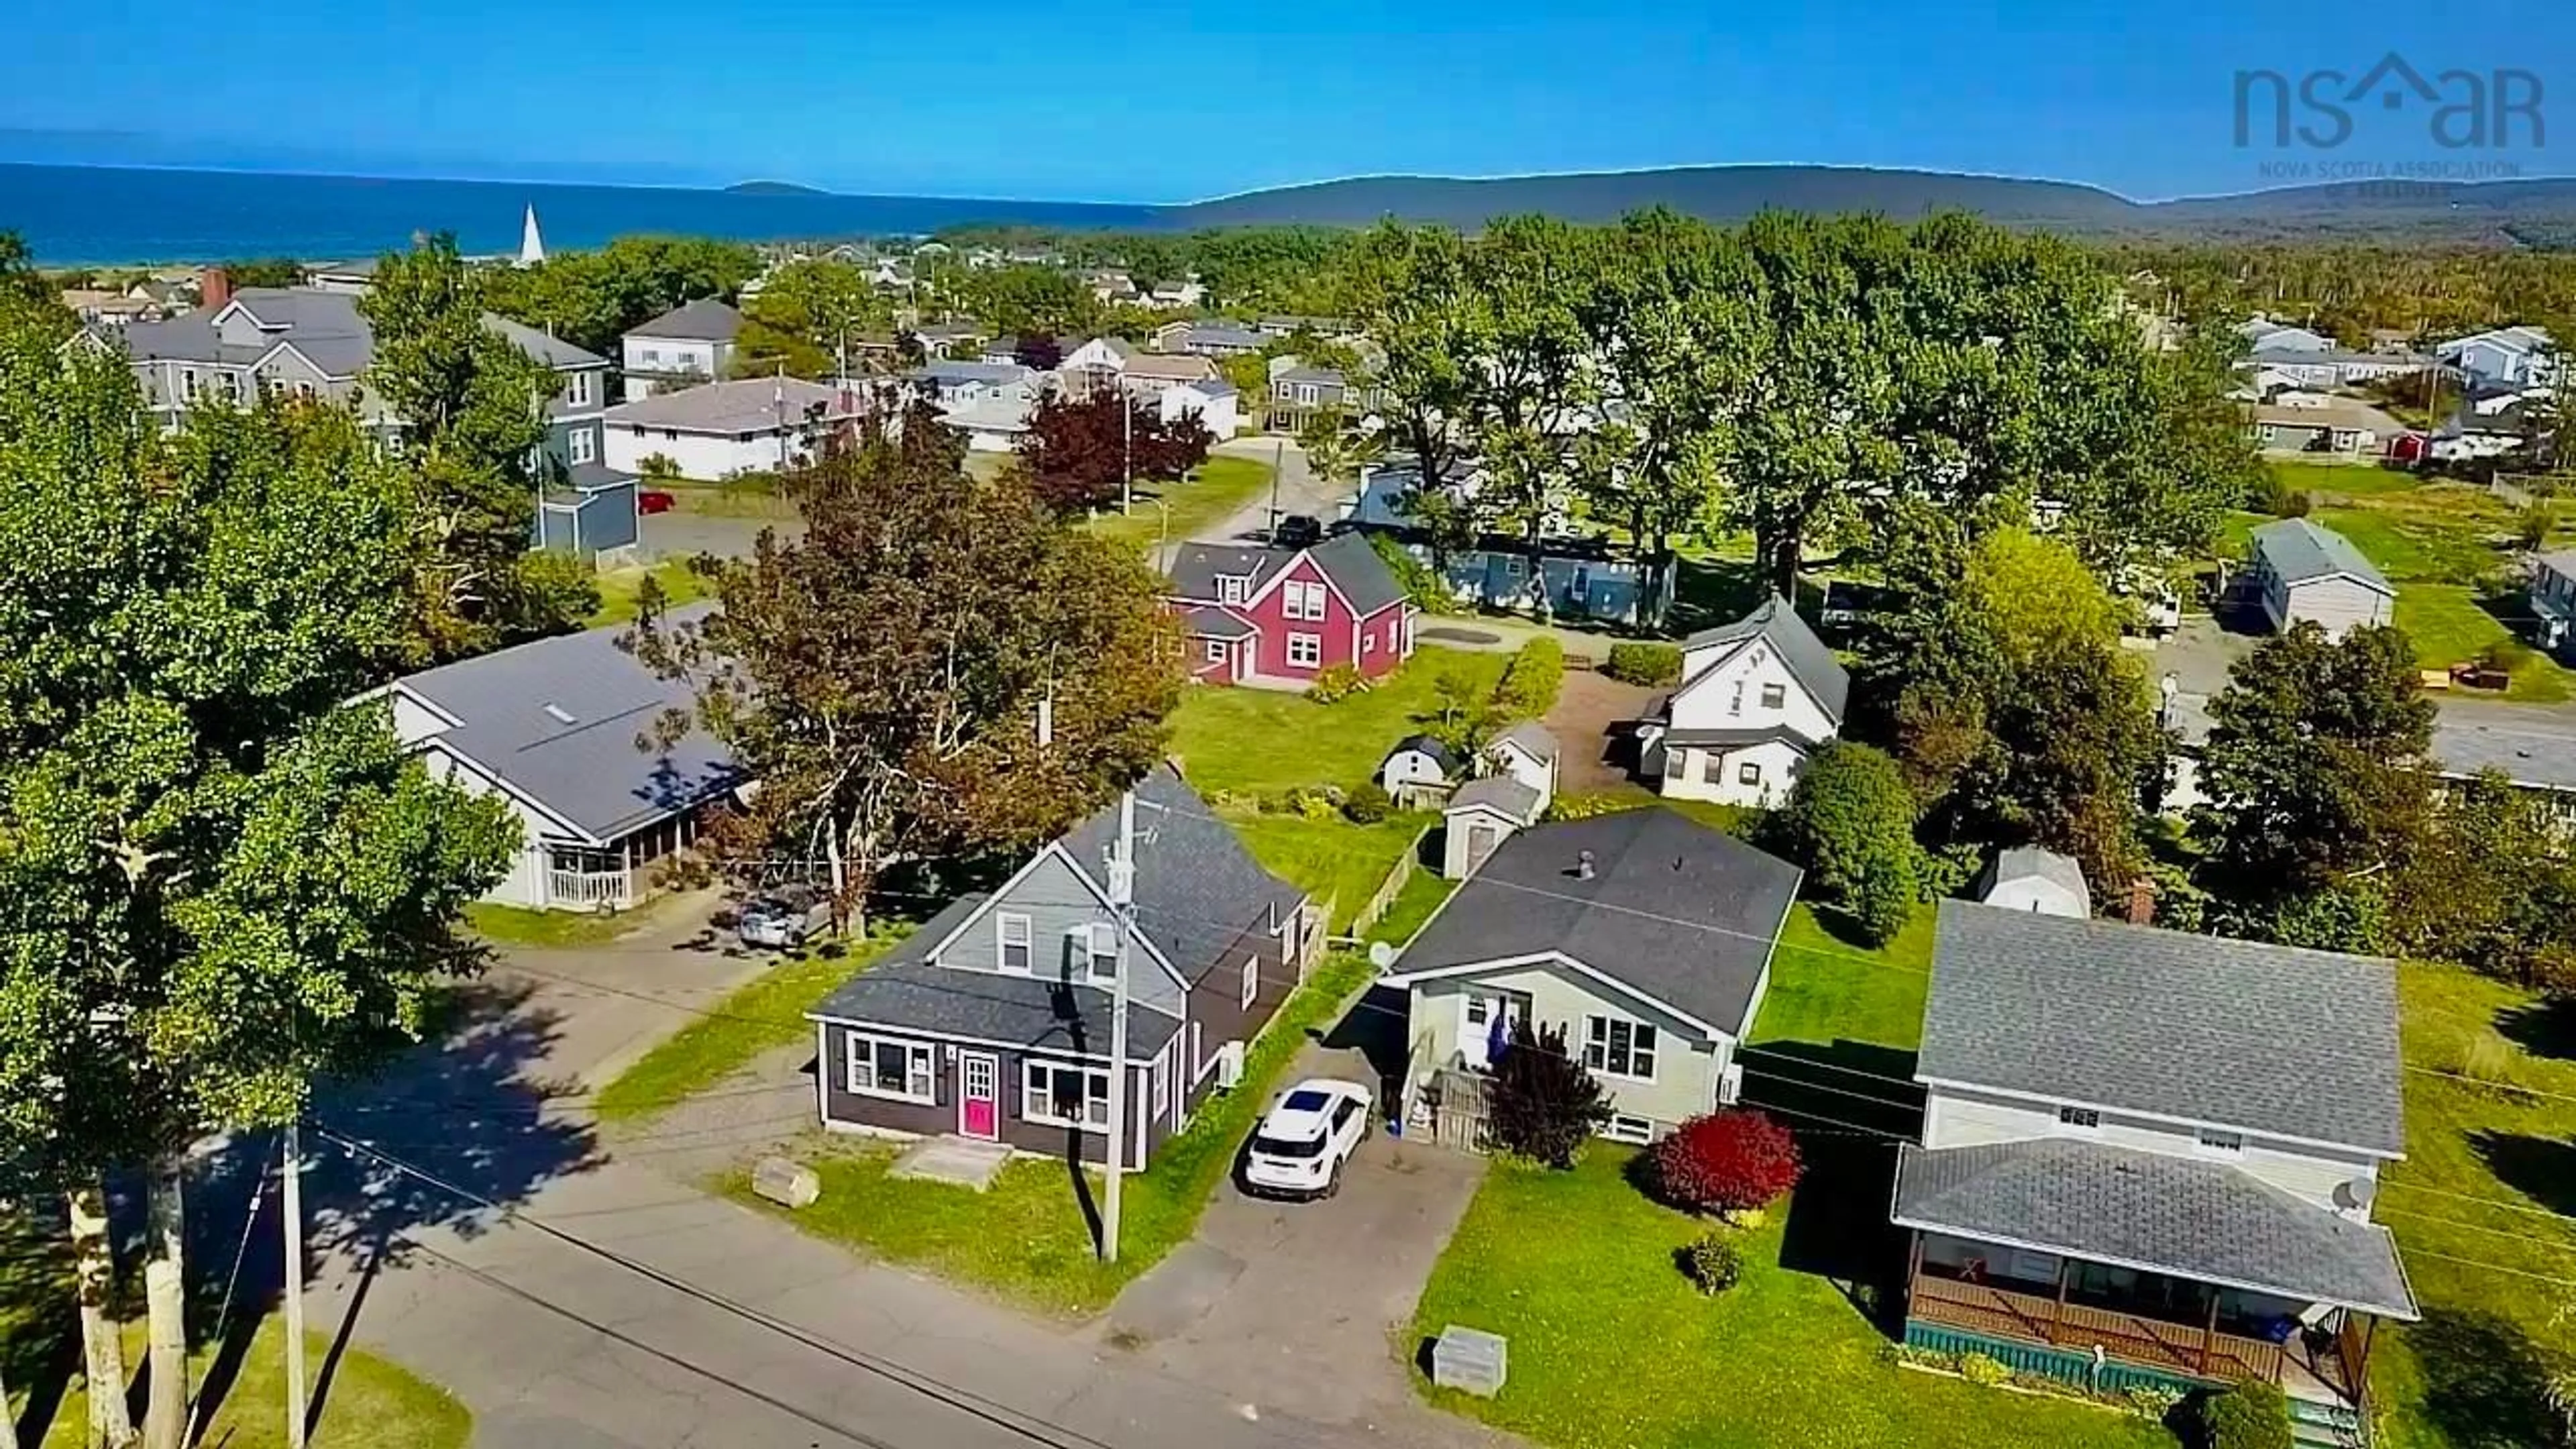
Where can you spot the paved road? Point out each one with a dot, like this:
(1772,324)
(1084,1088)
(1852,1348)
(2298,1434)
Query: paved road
(720,1327)
(1300,491)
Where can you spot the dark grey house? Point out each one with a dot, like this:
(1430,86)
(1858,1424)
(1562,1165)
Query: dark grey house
(992,1021)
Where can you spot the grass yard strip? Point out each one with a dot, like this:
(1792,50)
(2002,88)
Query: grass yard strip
(373,1404)
(519,926)
(1263,741)
(619,589)
(1026,1240)
(1214,492)
(1612,1348)
(766,1012)
(1334,861)
(1825,989)
(1414,904)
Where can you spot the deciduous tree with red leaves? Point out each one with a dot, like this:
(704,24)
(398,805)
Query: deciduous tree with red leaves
(1079,450)
(1727,1161)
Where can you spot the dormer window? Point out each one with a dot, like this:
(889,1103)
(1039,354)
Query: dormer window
(1229,588)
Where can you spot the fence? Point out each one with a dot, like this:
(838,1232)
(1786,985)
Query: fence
(1375,907)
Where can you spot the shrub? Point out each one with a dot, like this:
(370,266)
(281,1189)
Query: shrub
(1977,1368)
(2283,501)
(1585,807)
(1714,1263)
(1637,662)
(1544,1105)
(1850,821)
(1367,805)
(2151,1402)
(1530,682)
(1724,1162)
(2252,1415)
(1421,583)
(2512,656)
(1337,683)
(2531,526)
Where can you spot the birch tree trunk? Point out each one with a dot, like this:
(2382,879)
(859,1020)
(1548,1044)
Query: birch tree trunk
(94,1274)
(165,1414)
(8,1421)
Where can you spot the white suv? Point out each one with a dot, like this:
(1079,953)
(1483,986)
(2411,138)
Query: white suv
(1300,1146)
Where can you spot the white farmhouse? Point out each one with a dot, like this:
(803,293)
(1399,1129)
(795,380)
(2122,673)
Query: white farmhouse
(1757,697)
(688,345)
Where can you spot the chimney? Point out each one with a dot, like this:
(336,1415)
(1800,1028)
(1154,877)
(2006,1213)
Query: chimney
(214,287)
(2142,901)
(1583,865)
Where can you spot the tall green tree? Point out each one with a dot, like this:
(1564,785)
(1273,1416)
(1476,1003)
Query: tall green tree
(884,675)
(1850,821)
(2315,765)
(472,406)
(215,882)
(591,298)
(808,316)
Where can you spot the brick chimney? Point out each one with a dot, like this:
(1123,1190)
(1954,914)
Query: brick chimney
(214,288)
(2142,901)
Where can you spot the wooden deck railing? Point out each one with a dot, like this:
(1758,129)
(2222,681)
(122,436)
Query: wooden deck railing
(2156,1343)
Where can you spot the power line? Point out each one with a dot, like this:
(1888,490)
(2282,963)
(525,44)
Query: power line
(964,1401)
(2492,1202)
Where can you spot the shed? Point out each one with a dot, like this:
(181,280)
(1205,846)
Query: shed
(2303,571)
(1528,753)
(1480,816)
(1419,771)
(2027,878)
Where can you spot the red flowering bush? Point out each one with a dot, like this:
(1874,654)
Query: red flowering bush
(1725,1162)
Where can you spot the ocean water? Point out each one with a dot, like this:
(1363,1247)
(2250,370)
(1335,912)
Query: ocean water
(80,215)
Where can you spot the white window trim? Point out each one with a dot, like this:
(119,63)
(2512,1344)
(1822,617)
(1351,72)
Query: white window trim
(1215,650)
(2219,1142)
(1229,589)
(577,390)
(1313,649)
(1749,773)
(2071,1118)
(1653,1054)
(581,445)
(1251,981)
(1003,921)
(1034,1092)
(1626,1127)
(859,1069)
(1099,943)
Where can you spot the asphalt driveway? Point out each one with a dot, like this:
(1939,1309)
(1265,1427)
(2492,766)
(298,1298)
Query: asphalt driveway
(1297,1308)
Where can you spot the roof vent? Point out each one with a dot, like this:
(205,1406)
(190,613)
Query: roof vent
(1583,865)
(558,713)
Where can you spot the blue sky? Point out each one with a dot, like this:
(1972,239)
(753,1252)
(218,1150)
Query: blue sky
(1120,101)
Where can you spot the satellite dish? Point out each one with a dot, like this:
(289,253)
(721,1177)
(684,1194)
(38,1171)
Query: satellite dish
(1381,954)
(2355,1194)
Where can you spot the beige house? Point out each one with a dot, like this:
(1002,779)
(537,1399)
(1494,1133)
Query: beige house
(1645,936)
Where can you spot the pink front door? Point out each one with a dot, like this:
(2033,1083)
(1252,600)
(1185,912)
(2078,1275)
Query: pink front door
(978,1096)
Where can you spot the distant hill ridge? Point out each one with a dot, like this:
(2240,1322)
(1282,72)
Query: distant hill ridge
(2508,211)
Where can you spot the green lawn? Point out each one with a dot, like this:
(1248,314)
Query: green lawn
(1414,904)
(1027,1239)
(620,589)
(1261,741)
(2490,1178)
(1825,989)
(724,500)
(1611,1348)
(764,1013)
(1331,860)
(517,926)
(2350,480)
(1219,489)
(372,1405)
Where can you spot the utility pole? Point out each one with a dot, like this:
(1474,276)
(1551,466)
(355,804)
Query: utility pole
(1122,916)
(291,1203)
(1278,457)
(1127,423)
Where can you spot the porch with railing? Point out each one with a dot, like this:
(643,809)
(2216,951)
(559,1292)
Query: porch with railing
(591,889)
(2325,1370)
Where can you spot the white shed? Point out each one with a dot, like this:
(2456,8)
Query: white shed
(1480,816)
(1419,772)
(2027,878)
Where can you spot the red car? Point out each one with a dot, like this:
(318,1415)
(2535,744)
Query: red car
(654,500)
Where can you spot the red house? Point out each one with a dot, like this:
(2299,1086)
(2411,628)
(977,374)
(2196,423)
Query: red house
(1277,617)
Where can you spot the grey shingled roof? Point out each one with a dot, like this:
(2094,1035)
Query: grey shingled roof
(2028,862)
(744,405)
(1354,568)
(2300,551)
(1808,659)
(1532,736)
(1497,792)
(1729,739)
(2204,1220)
(1676,911)
(326,327)
(584,768)
(1197,889)
(2269,1039)
(2527,745)
(903,990)
(707,319)
(1208,621)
